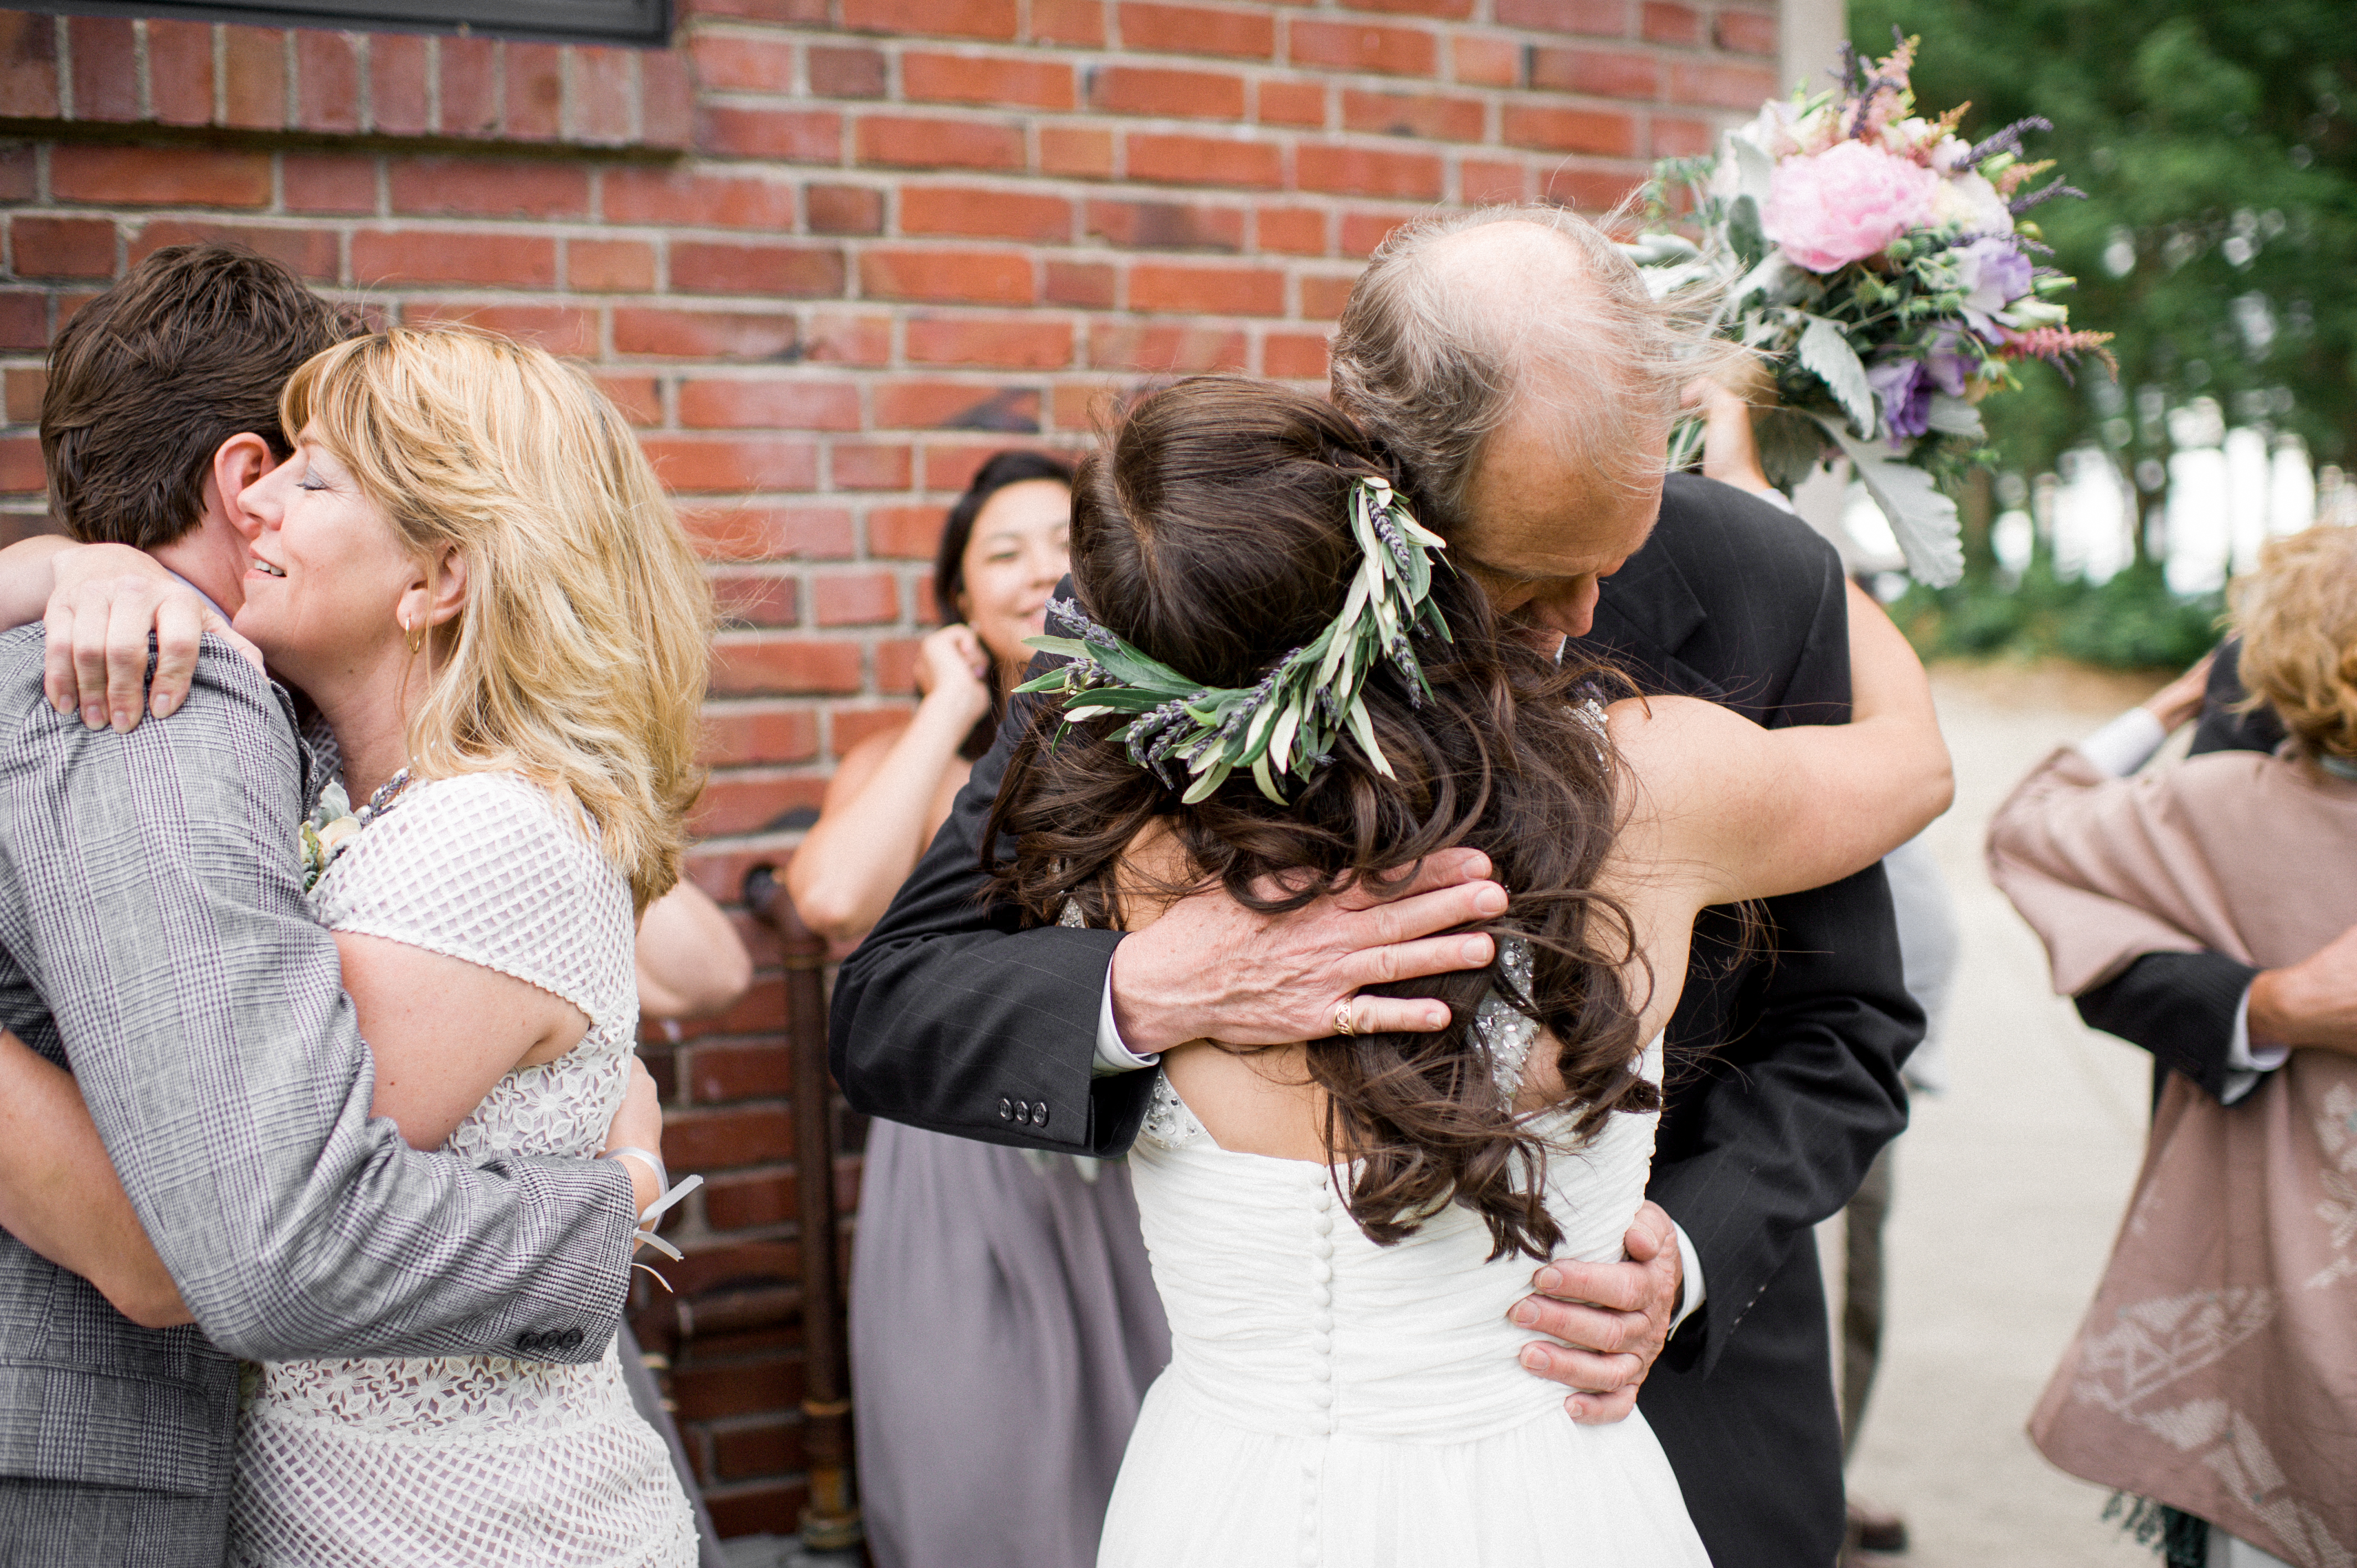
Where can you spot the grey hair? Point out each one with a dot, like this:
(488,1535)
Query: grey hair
(1433,369)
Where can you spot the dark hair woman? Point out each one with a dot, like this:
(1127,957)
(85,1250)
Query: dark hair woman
(993,1292)
(1278,685)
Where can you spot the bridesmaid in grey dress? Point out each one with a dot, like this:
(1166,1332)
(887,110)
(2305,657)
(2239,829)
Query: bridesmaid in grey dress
(1004,1324)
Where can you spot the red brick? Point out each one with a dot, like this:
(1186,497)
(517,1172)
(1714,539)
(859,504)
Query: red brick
(774,1510)
(1294,356)
(534,105)
(105,69)
(793,136)
(25,385)
(1167,225)
(1213,291)
(1322,298)
(1428,116)
(1078,22)
(744,734)
(490,188)
(399,100)
(1002,214)
(969,277)
(896,658)
(708,1393)
(1198,30)
(856,598)
(327,81)
(792,271)
(21,472)
(734,803)
(900,141)
(745,599)
(1594,18)
(1670,137)
(1481,180)
(956,405)
(328,182)
(603,87)
(766,10)
(559,329)
(1746,32)
(520,260)
(638,397)
(1724,86)
(869,465)
(1588,190)
(771,533)
(1361,46)
(610,266)
(254,82)
(1295,231)
(1134,346)
(62,247)
(1662,21)
(470,73)
(24,320)
(1292,103)
(1362,232)
(902,532)
(1485,62)
(28,65)
(1021,342)
(934,18)
(1205,160)
(1369,171)
(18,169)
(835,74)
(158,176)
(706,465)
(1170,94)
(721,1073)
(927,77)
(717,402)
(701,333)
(1447,10)
(850,727)
(1569,130)
(843,209)
(717,1140)
(1603,73)
(681,198)
(848,337)
(308,252)
(1088,286)
(179,71)
(1085,155)
(774,1448)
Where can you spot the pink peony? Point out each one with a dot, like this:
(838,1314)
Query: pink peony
(1845,203)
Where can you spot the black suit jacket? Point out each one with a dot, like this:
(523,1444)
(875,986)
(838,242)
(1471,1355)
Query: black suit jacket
(2181,1006)
(946,1017)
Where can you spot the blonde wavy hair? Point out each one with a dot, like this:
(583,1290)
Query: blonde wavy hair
(2297,617)
(580,657)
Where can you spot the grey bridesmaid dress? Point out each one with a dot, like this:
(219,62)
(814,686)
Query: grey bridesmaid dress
(1003,1329)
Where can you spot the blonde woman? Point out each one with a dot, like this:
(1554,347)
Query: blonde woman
(470,569)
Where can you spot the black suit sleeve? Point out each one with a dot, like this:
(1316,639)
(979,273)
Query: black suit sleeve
(2181,1006)
(949,1015)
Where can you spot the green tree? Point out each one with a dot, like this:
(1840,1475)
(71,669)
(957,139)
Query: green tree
(2217,144)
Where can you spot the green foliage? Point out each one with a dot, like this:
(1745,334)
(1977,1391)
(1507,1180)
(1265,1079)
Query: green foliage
(2132,622)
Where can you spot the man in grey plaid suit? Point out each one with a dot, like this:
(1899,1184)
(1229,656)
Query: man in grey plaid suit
(153,938)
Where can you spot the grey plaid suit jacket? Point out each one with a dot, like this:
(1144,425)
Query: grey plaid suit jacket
(154,939)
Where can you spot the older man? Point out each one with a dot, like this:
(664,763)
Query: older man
(1513,362)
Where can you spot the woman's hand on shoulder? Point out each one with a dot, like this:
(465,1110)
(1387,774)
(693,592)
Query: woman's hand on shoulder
(954,667)
(106,599)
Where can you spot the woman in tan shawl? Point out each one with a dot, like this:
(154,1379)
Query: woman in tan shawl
(2216,1373)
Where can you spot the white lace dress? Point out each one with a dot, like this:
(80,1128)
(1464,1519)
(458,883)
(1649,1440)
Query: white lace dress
(463,1460)
(1330,1402)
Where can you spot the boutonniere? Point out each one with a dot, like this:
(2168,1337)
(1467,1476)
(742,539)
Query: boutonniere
(330,827)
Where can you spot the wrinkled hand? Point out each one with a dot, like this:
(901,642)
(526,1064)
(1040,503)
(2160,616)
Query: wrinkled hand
(1211,969)
(954,666)
(1611,1319)
(638,1125)
(1730,453)
(2311,1003)
(107,599)
(2178,701)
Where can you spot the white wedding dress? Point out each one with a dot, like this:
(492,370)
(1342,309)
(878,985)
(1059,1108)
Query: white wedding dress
(1330,1402)
(433,1463)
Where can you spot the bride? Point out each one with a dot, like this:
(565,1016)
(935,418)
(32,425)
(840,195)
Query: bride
(1277,685)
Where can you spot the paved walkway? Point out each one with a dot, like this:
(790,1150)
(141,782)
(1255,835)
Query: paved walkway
(2008,1189)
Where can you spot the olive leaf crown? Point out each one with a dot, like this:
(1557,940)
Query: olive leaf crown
(1288,723)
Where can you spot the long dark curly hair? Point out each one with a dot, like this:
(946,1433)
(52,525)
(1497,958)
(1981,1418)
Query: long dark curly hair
(1212,532)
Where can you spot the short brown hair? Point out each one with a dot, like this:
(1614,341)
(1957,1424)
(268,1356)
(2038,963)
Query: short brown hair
(146,381)
(2298,618)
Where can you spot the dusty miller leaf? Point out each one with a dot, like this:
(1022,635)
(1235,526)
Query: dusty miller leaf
(1825,353)
(1921,519)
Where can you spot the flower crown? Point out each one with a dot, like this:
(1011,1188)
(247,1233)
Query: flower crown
(1288,723)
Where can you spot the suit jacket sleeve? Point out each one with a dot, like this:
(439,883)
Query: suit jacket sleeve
(950,1013)
(151,897)
(1785,1067)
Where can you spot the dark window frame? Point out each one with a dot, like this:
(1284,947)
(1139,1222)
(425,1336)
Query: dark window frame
(645,23)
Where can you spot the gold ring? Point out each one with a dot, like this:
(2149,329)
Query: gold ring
(1343,1023)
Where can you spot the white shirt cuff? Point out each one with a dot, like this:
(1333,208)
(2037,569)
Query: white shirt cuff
(1778,500)
(2125,745)
(1112,1056)
(2246,1063)
(1690,1293)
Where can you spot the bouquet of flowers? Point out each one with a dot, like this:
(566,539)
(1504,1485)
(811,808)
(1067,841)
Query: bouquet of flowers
(1882,267)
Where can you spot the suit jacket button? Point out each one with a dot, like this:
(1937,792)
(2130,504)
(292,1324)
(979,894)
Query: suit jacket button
(572,1340)
(1040,1114)
(1005,1110)
(1022,1111)
(527,1342)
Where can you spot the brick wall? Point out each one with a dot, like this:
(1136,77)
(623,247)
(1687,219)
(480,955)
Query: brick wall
(830,253)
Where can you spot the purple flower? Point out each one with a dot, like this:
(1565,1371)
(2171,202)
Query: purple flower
(1993,274)
(1948,368)
(1905,394)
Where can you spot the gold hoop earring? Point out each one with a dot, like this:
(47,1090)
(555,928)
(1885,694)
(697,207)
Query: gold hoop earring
(415,635)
